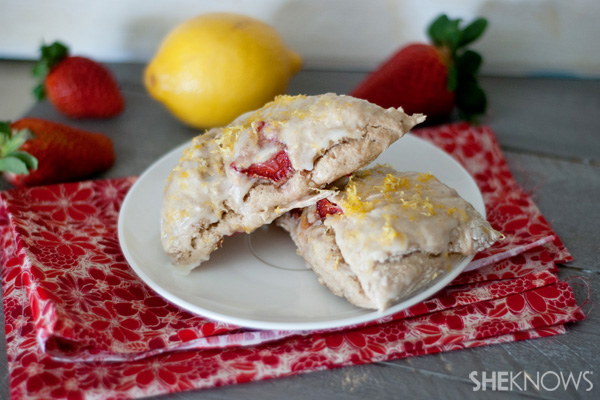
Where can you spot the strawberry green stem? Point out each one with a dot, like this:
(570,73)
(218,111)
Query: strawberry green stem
(11,158)
(50,56)
(463,64)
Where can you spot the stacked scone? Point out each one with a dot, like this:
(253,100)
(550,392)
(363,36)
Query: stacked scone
(373,240)
(386,234)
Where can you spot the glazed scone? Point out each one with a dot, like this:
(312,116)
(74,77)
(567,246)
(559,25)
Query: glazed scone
(242,176)
(386,234)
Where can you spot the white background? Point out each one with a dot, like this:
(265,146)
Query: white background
(559,37)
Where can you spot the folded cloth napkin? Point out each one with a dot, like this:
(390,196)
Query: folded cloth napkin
(72,303)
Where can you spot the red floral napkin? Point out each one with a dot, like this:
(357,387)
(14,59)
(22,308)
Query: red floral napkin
(72,303)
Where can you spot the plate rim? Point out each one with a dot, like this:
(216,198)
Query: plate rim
(336,323)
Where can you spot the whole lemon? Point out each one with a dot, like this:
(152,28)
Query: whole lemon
(216,66)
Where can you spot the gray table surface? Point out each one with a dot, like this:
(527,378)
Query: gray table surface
(550,134)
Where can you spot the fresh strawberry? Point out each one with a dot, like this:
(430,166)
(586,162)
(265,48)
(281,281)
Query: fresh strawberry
(78,87)
(414,78)
(326,207)
(276,169)
(431,78)
(38,152)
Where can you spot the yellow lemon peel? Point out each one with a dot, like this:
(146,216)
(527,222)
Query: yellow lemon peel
(352,203)
(214,67)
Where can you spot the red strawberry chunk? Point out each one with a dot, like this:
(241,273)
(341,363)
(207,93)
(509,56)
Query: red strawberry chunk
(260,125)
(296,212)
(326,207)
(276,169)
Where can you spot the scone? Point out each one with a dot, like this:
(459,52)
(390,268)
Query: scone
(386,234)
(237,178)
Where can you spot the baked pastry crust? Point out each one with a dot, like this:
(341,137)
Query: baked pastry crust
(386,234)
(280,157)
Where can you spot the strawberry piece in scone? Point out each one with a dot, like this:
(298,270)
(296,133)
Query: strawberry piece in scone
(276,169)
(282,156)
(326,207)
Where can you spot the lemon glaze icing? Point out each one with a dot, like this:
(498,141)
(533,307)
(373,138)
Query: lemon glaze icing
(389,214)
(399,230)
(207,181)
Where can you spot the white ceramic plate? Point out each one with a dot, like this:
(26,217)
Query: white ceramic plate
(258,280)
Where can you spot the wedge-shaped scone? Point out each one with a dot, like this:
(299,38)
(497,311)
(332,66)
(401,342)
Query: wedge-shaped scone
(237,178)
(386,234)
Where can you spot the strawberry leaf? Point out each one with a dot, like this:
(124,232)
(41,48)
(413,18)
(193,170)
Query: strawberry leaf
(50,56)
(30,161)
(54,53)
(453,35)
(16,141)
(452,78)
(448,36)
(12,160)
(40,69)
(445,32)
(14,165)
(5,127)
(437,29)
(472,32)
(469,62)
(5,132)
(39,92)
(470,99)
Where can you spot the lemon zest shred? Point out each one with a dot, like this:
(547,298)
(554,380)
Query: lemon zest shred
(229,136)
(417,203)
(389,232)
(393,183)
(462,215)
(425,177)
(352,204)
(337,262)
